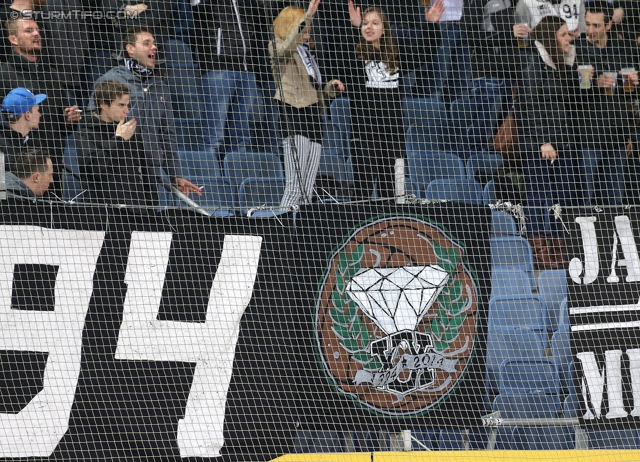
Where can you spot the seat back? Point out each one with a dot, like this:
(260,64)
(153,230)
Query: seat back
(552,286)
(517,310)
(424,167)
(537,376)
(503,224)
(512,252)
(237,167)
(455,189)
(510,282)
(258,192)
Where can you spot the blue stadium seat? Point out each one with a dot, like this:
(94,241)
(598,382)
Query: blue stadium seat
(237,167)
(258,192)
(613,439)
(424,111)
(334,167)
(316,442)
(218,196)
(510,282)
(503,223)
(552,287)
(71,186)
(528,376)
(426,439)
(200,163)
(507,343)
(483,162)
(489,193)
(517,311)
(512,252)
(424,138)
(424,167)
(563,315)
(562,357)
(455,189)
(536,406)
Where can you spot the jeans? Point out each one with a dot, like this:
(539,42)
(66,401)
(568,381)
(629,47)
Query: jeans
(603,174)
(229,101)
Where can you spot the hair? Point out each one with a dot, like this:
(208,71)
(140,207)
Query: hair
(131,34)
(600,6)
(545,33)
(286,20)
(28,162)
(109,91)
(11,25)
(388,48)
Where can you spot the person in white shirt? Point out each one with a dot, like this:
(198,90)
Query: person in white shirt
(530,12)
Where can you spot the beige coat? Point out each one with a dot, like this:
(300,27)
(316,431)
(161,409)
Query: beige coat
(291,77)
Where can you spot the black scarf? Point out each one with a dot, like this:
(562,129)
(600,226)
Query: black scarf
(135,67)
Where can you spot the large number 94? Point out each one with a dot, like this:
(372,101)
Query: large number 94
(38,428)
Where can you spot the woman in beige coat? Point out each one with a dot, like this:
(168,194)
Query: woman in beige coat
(300,94)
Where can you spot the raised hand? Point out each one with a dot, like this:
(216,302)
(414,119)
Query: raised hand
(354,14)
(313,7)
(434,12)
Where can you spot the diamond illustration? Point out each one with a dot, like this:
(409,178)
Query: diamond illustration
(396,299)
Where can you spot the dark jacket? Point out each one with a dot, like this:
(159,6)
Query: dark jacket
(545,108)
(12,142)
(227,38)
(113,170)
(487,28)
(607,121)
(151,107)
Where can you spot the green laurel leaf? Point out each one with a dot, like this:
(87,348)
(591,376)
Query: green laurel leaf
(450,335)
(441,346)
(436,329)
(341,332)
(338,318)
(350,345)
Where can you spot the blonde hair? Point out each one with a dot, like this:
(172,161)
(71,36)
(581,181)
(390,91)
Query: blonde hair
(286,20)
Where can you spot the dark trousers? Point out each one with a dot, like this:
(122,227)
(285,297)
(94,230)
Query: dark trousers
(374,160)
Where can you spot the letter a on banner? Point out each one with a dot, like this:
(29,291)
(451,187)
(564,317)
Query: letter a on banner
(37,429)
(210,345)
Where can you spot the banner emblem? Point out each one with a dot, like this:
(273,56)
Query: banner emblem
(396,316)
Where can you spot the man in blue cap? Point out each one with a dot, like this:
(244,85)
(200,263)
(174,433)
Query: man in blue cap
(21,115)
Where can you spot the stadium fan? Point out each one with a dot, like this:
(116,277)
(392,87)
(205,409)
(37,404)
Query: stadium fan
(530,12)
(21,110)
(26,67)
(111,159)
(548,132)
(32,175)
(299,84)
(608,124)
(150,104)
(373,79)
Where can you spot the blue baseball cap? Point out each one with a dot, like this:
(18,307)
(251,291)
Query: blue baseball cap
(20,100)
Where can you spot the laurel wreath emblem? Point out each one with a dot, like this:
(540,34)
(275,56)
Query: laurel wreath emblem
(445,326)
(354,334)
